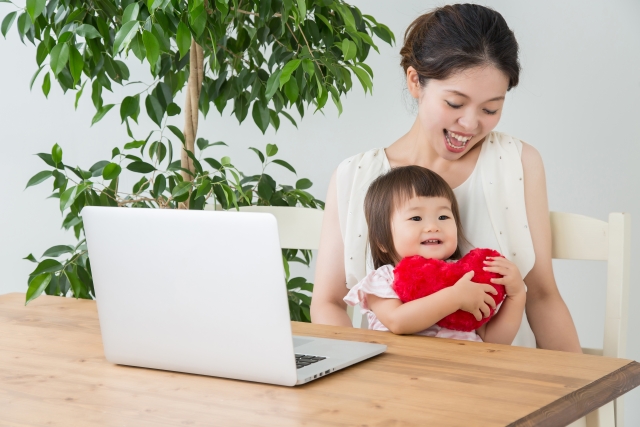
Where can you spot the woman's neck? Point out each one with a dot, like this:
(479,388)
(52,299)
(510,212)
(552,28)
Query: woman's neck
(415,148)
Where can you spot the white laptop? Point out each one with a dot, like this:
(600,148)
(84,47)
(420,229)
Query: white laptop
(202,292)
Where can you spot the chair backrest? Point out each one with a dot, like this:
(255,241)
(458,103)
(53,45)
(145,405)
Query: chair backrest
(583,238)
(299,228)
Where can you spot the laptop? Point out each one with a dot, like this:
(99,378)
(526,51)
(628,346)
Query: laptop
(202,292)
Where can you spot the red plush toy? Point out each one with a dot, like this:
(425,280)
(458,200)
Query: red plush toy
(417,277)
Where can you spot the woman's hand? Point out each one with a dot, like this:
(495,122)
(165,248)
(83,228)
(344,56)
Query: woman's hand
(474,297)
(512,279)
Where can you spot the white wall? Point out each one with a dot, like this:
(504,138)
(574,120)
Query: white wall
(577,103)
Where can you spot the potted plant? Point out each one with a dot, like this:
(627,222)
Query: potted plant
(267,58)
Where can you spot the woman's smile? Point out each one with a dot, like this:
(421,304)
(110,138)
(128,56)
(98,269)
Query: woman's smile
(456,143)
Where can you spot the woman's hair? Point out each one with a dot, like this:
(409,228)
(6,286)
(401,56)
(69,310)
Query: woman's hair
(390,190)
(457,37)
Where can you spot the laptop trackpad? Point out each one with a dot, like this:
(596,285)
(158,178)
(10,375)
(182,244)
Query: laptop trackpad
(298,341)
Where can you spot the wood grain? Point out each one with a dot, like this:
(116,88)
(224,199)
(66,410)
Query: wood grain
(53,372)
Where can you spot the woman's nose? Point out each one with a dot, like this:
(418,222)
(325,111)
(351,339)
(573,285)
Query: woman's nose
(469,120)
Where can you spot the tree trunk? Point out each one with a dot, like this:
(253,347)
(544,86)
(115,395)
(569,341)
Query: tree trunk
(194,86)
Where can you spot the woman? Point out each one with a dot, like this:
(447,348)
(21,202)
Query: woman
(459,62)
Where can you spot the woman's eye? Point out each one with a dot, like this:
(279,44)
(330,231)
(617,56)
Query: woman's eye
(415,218)
(490,112)
(443,217)
(453,105)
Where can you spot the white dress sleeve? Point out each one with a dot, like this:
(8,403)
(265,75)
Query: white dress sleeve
(378,282)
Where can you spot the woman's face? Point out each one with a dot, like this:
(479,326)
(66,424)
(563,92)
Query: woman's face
(458,112)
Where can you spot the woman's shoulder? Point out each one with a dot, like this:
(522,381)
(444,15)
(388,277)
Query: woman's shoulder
(365,157)
(503,141)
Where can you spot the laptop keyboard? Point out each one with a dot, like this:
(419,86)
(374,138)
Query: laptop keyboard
(303,360)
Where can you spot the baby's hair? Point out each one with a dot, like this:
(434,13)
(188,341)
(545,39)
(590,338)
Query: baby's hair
(390,190)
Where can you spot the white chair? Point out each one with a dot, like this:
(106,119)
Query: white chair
(583,238)
(298,228)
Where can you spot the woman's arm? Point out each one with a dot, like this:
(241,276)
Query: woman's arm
(548,315)
(502,329)
(417,315)
(327,306)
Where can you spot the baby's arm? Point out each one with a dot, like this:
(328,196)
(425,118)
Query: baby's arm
(418,315)
(502,329)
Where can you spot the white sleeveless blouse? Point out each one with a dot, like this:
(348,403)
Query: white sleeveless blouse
(491,202)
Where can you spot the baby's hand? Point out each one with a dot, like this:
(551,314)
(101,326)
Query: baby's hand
(474,297)
(512,279)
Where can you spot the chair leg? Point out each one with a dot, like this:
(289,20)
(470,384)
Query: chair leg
(602,417)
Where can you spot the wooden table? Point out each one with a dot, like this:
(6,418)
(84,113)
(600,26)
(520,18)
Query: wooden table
(53,372)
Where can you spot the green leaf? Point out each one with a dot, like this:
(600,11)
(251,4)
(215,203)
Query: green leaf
(264,188)
(159,185)
(130,107)
(56,251)
(78,95)
(325,21)
(59,58)
(349,49)
(152,47)
(98,167)
(303,184)
(177,132)
(87,31)
(272,85)
(154,109)
(38,178)
(183,39)
(31,258)
(285,164)
(35,8)
(131,13)
(364,78)
(288,116)
(36,286)
(181,188)
(56,154)
(101,113)
(124,36)
(46,266)
(111,171)
(288,69)
(203,143)
(46,85)
(204,188)
(272,150)
(302,6)
(173,109)
(291,90)
(68,197)
(78,288)
(258,152)
(7,22)
(213,163)
(260,115)
(226,161)
(308,67)
(140,167)
(134,144)
(76,63)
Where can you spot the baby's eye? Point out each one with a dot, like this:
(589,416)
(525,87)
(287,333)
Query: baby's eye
(415,218)
(443,217)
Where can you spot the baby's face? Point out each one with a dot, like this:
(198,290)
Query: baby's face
(425,226)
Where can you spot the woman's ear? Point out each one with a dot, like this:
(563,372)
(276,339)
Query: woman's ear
(413,82)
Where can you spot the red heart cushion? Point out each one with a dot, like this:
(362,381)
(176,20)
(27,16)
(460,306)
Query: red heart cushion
(417,277)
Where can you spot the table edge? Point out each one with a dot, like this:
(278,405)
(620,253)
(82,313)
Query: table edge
(590,397)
